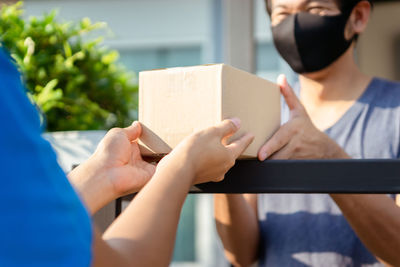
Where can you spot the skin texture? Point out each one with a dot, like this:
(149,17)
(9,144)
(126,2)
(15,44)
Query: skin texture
(115,169)
(148,225)
(323,101)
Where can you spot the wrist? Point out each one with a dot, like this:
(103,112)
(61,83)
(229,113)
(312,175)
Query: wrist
(92,185)
(333,150)
(180,163)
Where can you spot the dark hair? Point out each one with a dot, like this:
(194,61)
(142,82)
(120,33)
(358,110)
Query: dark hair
(342,4)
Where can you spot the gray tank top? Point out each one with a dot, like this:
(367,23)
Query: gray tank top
(309,229)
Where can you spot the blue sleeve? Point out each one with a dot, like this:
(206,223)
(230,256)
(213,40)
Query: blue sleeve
(42,222)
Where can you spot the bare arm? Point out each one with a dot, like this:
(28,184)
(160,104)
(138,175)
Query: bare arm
(237,225)
(144,233)
(376,220)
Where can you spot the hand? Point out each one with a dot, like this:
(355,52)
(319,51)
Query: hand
(115,169)
(208,155)
(298,138)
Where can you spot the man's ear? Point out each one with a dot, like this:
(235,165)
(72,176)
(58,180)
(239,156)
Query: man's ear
(358,19)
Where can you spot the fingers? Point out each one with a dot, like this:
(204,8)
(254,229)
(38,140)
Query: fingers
(228,127)
(290,97)
(277,141)
(285,153)
(219,179)
(138,176)
(134,131)
(237,147)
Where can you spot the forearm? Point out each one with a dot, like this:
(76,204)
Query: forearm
(95,190)
(376,220)
(237,226)
(145,232)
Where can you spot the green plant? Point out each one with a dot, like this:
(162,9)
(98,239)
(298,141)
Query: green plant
(76,82)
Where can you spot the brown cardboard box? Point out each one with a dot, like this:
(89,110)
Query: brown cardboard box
(173,103)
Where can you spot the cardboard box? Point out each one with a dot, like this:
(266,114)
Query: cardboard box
(173,103)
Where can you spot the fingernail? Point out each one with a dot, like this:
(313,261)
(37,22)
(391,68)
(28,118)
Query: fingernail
(281,80)
(264,156)
(236,121)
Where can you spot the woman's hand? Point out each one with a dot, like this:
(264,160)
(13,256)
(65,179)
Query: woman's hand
(115,169)
(137,234)
(207,153)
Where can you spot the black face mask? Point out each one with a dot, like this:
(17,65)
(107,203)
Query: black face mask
(311,42)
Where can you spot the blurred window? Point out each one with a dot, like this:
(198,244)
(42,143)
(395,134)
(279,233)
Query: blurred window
(156,58)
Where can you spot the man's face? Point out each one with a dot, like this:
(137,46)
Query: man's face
(283,8)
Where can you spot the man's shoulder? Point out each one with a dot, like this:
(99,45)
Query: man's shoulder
(385,83)
(384,93)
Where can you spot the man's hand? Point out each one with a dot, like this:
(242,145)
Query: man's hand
(298,138)
(115,169)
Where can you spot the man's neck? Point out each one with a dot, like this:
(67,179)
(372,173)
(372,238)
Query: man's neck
(329,93)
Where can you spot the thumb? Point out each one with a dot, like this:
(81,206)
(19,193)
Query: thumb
(134,131)
(228,127)
(291,99)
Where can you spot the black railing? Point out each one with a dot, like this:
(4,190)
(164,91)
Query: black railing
(381,176)
(309,176)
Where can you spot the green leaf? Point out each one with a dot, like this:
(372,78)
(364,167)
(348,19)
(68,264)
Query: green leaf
(110,58)
(85,23)
(67,49)
(48,97)
(74,79)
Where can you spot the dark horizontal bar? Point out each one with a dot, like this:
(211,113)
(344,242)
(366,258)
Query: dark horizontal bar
(309,176)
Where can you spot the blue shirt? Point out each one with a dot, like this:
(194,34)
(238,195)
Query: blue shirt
(309,229)
(42,222)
